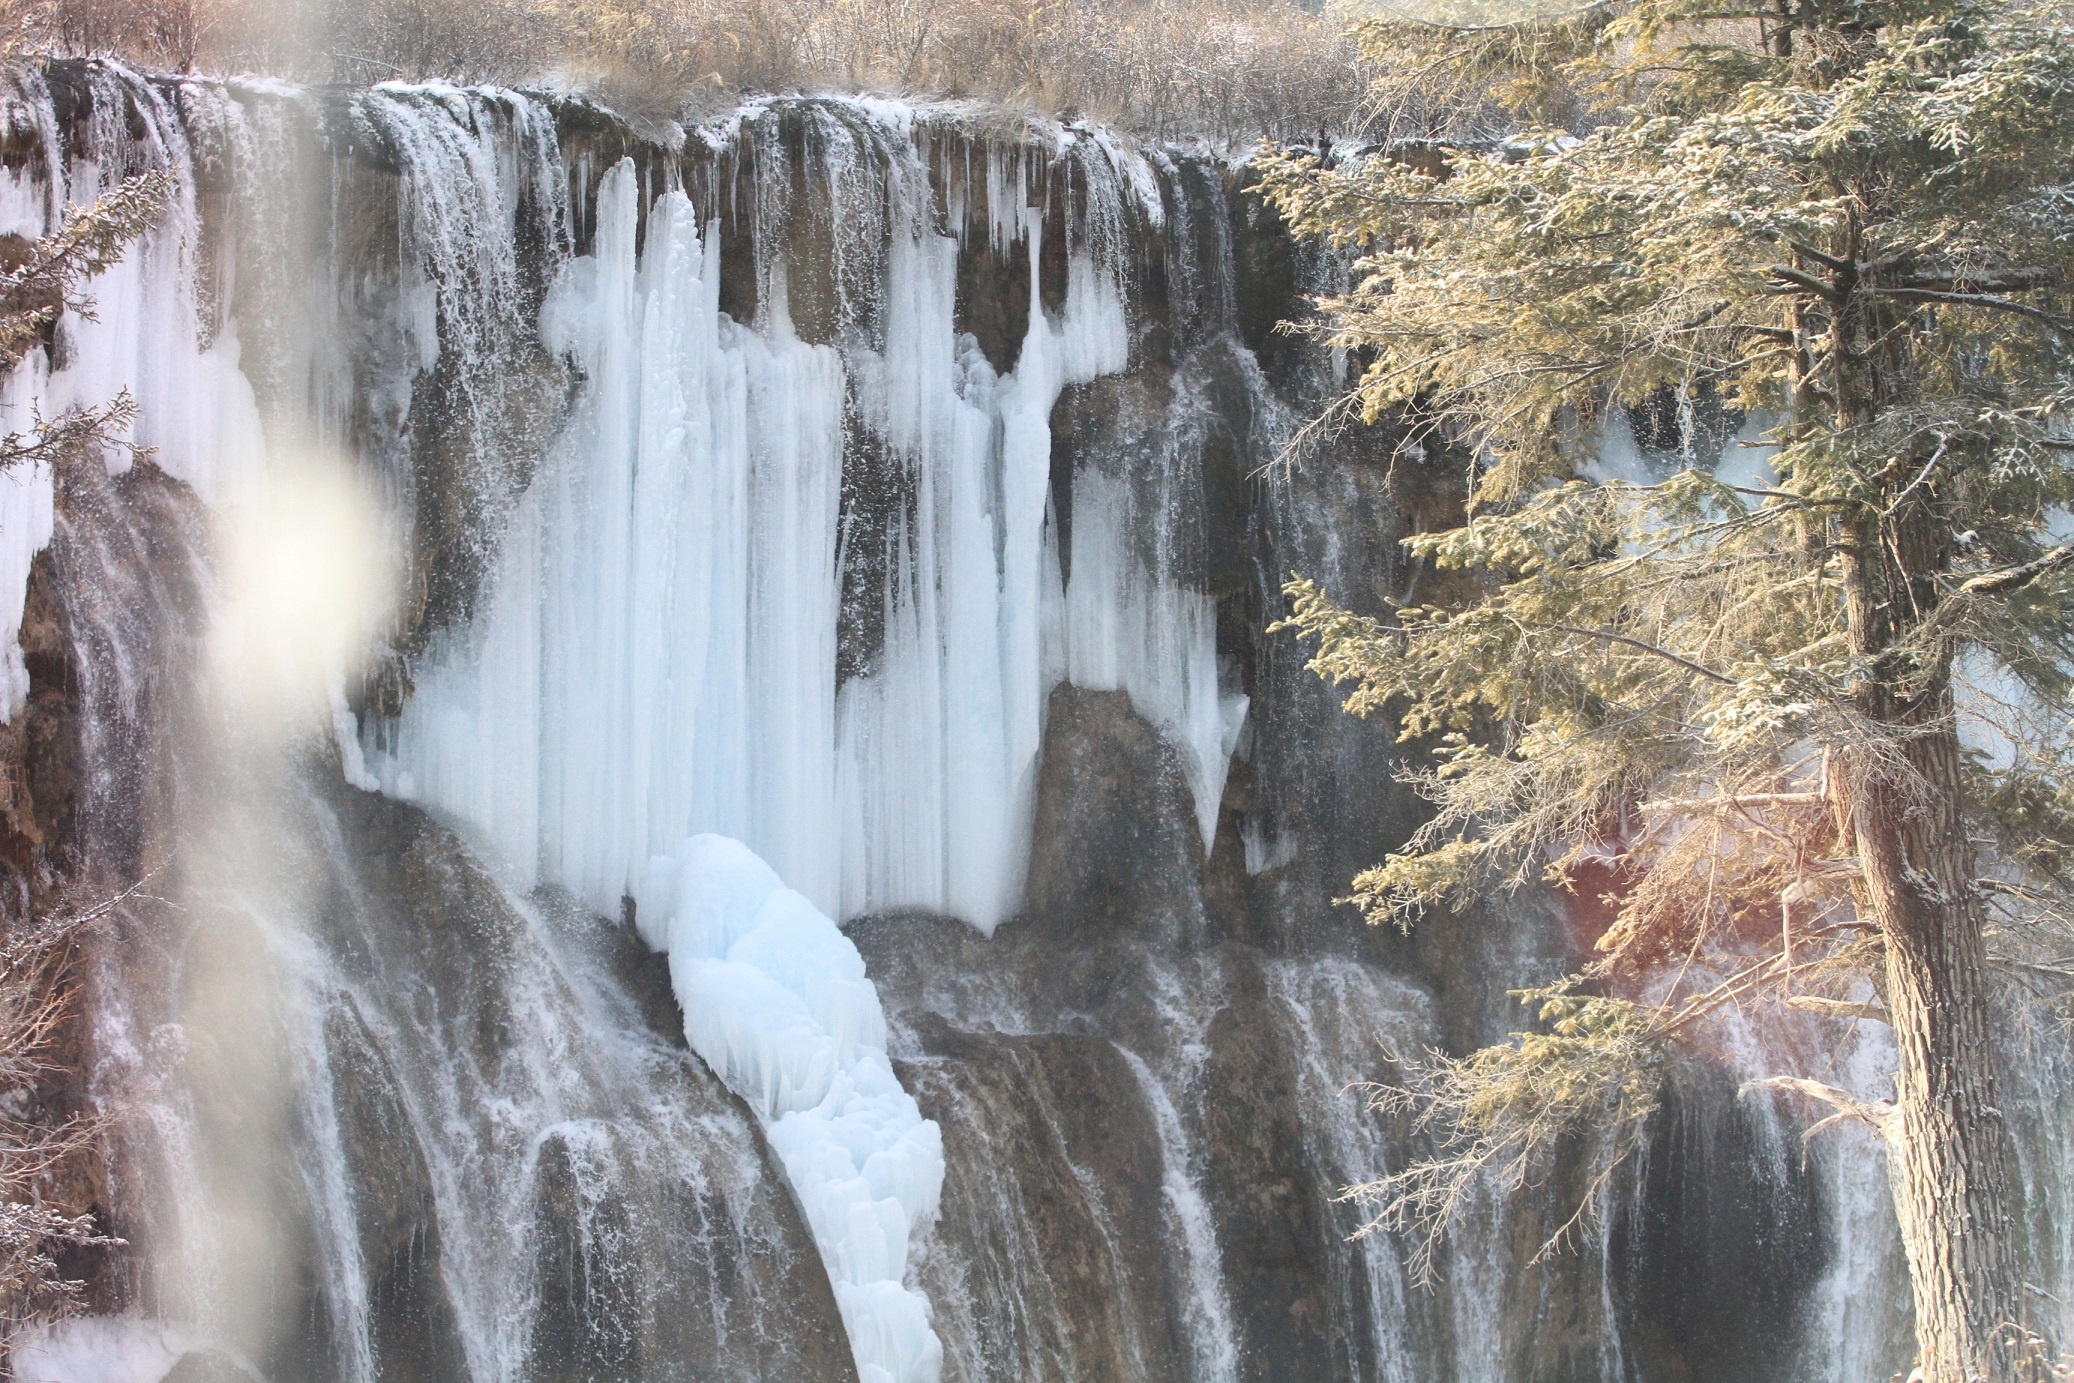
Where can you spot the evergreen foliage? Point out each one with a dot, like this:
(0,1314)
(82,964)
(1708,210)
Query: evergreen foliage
(1735,691)
(40,280)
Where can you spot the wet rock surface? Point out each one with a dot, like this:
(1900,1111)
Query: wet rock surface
(415,1335)
(487,1098)
(110,639)
(1054,1201)
(1099,1051)
(662,1240)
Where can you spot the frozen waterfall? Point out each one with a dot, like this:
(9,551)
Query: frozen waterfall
(840,538)
(146,340)
(658,653)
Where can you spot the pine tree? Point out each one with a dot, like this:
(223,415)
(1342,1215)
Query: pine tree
(1742,691)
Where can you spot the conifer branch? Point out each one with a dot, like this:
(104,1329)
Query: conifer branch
(1610,637)
(2015,578)
(1996,304)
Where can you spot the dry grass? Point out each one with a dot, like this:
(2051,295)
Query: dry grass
(1227,69)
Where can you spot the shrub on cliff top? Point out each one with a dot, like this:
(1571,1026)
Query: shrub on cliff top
(1229,69)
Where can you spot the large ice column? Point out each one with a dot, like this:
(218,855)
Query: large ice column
(1129,627)
(776,1001)
(150,336)
(27,521)
(1135,618)
(657,655)
(938,744)
(935,744)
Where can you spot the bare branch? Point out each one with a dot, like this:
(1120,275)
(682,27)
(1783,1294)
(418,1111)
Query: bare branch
(1931,295)
(1611,637)
(1801,279)
(1877,1115)
(1827,261)
(1992,281)
(1743,799)
(1838,1008)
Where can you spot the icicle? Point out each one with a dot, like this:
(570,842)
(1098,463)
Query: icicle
(658,656)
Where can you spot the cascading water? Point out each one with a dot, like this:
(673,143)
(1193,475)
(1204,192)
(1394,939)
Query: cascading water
(879,490)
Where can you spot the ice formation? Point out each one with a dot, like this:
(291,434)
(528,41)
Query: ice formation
(656,659)
(26,519)
(658,656)
(148,336)
(776,1001)
(695,501)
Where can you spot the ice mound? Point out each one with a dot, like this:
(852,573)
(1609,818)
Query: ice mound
(776,1001)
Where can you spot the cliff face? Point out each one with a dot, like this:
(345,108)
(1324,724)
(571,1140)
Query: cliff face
(345,1071)
(897,489)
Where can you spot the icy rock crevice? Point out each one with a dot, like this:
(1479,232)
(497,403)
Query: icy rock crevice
(776,1001)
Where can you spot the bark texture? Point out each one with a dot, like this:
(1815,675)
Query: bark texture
(1948,1158)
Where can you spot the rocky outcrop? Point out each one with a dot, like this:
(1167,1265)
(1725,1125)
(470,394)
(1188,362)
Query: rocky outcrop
(654,1236)
(630,1198)
(87,775)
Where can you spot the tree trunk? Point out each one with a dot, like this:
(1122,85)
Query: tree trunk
(1948,1158)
